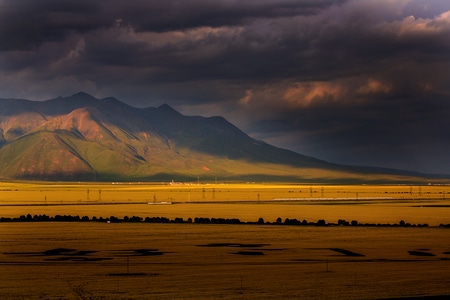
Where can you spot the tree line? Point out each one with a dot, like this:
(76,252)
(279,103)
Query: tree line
(201,220)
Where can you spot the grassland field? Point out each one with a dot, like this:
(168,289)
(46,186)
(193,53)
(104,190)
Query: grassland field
(428,204)
(191,261)
(93,260)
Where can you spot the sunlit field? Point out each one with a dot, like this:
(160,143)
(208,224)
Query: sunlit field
(100,260)
(193,261)
(428,204)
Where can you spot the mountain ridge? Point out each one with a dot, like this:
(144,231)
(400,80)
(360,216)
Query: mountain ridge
(80,137)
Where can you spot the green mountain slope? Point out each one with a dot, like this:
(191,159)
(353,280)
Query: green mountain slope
(43,155)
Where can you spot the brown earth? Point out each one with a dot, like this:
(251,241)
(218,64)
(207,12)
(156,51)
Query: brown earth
(186,261)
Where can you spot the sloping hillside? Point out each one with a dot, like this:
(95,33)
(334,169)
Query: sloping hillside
(84,138)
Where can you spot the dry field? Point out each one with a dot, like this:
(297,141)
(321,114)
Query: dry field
(428,204)
(196,261)
(63,260)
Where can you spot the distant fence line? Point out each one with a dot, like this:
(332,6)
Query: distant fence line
(310,199)
(202,220)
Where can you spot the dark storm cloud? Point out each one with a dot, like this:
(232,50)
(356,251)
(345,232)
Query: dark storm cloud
(25,25)
(394,133)
(357,81)
(161,16)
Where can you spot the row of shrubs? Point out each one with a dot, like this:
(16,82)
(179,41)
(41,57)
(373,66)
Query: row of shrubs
(113,219)
(136,219)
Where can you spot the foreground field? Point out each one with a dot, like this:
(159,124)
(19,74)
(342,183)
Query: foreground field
(187,261)
(97,260)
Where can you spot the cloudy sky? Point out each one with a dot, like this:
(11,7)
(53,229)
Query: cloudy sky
(362,82)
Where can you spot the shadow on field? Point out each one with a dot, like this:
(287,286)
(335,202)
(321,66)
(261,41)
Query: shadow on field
(420,253)
(139,252)
(68,254)
(247,252)
(234,245)
(345,252)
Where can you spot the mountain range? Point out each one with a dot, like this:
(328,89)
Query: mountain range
(84,138)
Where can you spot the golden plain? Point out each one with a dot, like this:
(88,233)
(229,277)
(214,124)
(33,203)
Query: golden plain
(100,260)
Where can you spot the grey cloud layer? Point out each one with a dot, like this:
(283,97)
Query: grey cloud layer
(360,81)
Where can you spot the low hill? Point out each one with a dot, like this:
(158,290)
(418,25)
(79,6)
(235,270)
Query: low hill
(84,138)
